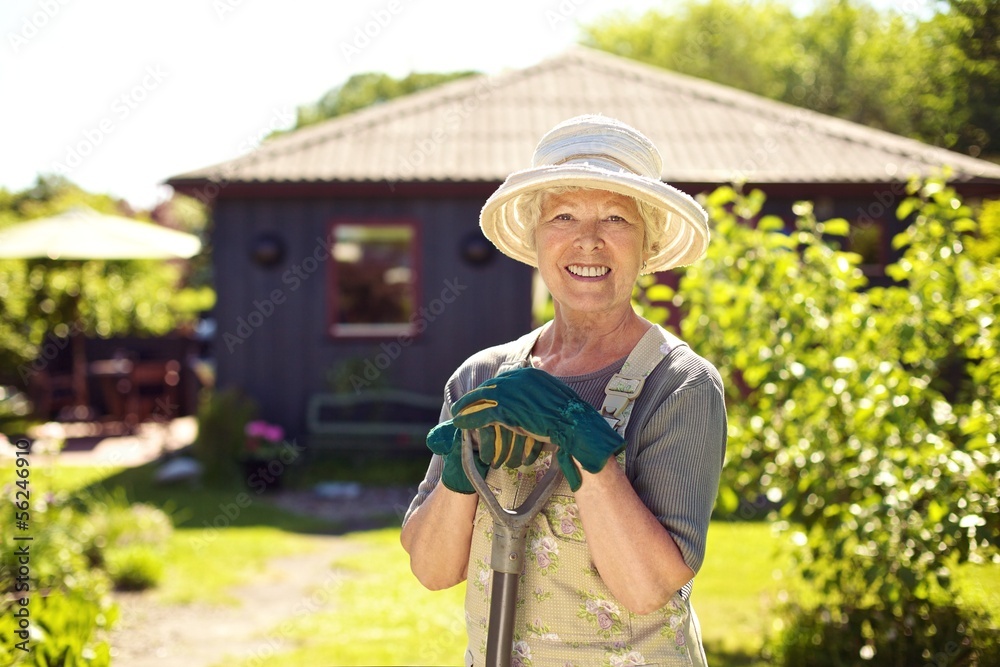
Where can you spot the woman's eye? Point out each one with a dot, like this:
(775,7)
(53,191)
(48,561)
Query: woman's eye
(616,218)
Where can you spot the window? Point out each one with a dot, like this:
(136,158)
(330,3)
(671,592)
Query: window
(868,239)
(374,281)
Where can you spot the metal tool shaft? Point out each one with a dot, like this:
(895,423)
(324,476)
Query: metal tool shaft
(510,528)
(503,611)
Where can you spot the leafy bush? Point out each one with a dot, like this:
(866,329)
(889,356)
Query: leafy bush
(134,567)
(80,547)
(62,632)
(108,520)
(939,636)
(867,415)
(222,420)
(125,540)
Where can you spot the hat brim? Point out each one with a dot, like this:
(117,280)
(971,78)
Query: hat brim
(683,239)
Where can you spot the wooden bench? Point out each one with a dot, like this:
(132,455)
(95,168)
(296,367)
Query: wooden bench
(378,421)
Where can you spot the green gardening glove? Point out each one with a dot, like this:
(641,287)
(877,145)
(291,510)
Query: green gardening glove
(535,403)
(500,445)
(446,440)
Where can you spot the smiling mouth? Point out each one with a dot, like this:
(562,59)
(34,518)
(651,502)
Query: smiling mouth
(587,271)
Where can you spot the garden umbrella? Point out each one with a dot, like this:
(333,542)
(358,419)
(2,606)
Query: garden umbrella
(84,234)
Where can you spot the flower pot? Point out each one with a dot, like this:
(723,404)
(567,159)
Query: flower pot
(263,475)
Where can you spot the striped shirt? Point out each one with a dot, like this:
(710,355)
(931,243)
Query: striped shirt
(676,437)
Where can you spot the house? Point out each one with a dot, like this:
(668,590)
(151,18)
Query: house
(352,247)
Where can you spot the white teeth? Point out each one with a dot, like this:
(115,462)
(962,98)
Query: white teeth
(587,271)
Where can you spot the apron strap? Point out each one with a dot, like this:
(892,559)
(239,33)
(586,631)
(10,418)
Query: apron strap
(626,384)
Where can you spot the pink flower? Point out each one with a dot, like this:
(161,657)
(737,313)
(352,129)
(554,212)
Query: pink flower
(255,429)
(261,429)
(566,526)
(604,621)
(543,559)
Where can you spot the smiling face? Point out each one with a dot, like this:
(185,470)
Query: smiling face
(590,249)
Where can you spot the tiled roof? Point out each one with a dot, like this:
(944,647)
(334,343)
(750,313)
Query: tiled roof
(482,128)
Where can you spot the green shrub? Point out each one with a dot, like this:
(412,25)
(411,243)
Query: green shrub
(935,636)
(134,567)
(864,418)
(80,546)
(68,600)
(222,418)
(63,631)
(106,520)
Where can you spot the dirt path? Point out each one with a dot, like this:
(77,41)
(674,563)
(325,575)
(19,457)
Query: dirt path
(152,634)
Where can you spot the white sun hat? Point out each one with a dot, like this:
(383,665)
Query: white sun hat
(605,154)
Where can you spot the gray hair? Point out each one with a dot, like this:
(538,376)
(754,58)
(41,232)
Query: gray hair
(529,210)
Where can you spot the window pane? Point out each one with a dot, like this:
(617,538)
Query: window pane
(374,277)
(868,239)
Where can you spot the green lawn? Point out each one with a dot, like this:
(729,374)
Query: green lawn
(380,615)
(222,537)
(735,589)
(392,620)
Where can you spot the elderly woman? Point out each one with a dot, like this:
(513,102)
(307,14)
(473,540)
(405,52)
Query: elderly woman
(638,417)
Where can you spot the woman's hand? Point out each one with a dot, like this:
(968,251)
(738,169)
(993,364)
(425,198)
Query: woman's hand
(540,407)
(446,440)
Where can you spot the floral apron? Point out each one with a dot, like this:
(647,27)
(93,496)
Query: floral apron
(566,615)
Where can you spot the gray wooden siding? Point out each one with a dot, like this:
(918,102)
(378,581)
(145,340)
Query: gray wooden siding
(288,355)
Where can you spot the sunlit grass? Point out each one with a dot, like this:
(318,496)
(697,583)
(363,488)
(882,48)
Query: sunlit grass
(736,588)
(222,537)
(203,565)
(380,615)
(48,476)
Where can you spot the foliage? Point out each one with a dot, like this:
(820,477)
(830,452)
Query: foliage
(80,547)
(986,245)
(126,540)
(193,216)
(831,636)
(928,78)
(222,420)
(974,28)
(134,567)
(63,634)
(349,373)
(43,302)
(367,89)
(868,415)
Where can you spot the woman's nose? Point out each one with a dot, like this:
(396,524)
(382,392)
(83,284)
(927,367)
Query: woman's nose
(588,235)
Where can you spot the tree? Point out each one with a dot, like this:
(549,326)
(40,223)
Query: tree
(974,28)
(843,58)
(44,302)
(363,90)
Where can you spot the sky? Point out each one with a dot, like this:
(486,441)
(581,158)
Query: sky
(119,95)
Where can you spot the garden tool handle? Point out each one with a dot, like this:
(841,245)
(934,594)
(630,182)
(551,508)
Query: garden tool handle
(510,521)
(510,528)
